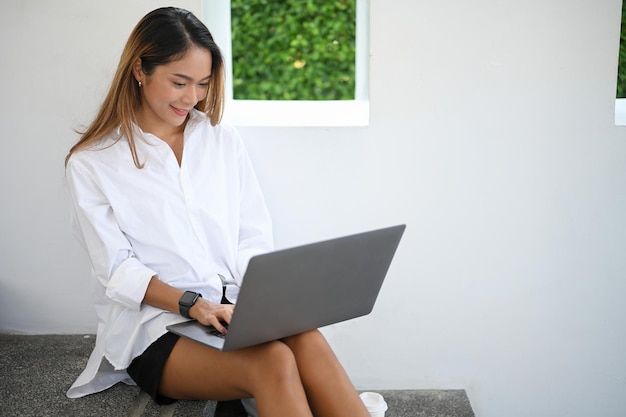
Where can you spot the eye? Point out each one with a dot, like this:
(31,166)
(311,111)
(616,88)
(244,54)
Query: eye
(204,85)
(179,85)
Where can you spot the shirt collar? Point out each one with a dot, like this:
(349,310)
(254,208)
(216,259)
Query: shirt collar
(195,117)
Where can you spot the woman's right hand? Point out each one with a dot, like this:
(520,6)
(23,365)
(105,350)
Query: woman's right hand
(164,296)
(212,314)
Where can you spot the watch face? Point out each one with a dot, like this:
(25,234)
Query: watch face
(188,298)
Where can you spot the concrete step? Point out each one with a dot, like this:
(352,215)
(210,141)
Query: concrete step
(36,371)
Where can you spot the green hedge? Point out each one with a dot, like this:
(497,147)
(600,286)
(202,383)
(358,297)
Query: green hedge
(293,49)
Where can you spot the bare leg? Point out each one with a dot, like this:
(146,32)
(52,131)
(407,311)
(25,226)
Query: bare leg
(328,388)
(267,372)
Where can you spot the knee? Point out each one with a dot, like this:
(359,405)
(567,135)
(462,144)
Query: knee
(312,340)
(276,362)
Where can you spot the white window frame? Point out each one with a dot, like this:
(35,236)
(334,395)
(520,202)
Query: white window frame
(216,15)
(620,112)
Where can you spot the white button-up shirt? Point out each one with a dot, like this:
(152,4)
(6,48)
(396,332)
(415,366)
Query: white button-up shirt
(194,226)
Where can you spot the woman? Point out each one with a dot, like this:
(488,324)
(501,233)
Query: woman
(167,205)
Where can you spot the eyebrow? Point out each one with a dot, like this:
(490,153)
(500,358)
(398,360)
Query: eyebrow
(188,78)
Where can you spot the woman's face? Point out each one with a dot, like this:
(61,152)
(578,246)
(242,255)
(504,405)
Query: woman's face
(172,90)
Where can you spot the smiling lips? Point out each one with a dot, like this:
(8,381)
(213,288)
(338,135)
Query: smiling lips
(180,112)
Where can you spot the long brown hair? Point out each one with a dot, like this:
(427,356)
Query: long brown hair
(162,36)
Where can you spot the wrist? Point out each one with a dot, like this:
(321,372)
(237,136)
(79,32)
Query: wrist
(187,301)
(194,309)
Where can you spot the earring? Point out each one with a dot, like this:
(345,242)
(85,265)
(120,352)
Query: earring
(139,84)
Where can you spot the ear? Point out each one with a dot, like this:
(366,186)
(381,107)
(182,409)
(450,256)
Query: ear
(137,72)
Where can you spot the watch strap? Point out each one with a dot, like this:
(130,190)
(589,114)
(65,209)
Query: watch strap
(185,306)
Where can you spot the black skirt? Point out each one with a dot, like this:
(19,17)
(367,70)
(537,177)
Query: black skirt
(147,368)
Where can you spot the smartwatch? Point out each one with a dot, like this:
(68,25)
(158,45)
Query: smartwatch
(187,301)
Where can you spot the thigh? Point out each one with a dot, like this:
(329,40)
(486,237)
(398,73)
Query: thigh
(195,371)
(310,343)
(315,357)
(329,389)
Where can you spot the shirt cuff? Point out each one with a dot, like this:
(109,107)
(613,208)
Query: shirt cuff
(129,283)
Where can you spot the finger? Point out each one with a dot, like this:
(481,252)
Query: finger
(217,323)
(225,313)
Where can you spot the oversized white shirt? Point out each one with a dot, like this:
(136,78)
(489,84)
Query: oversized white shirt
(194,226)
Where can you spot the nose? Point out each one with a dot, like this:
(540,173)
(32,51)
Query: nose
(191,95)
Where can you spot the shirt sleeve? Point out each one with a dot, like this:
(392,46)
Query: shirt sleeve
(124,278)
(255,224)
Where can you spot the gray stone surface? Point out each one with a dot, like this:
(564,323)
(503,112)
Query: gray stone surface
(427,403)
(36,371)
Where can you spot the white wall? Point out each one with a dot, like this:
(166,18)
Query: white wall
(491,136)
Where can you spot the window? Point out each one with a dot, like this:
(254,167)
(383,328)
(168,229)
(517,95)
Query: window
(293,49)
(352,112)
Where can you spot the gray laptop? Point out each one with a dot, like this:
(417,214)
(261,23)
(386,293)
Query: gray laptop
(294,290)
